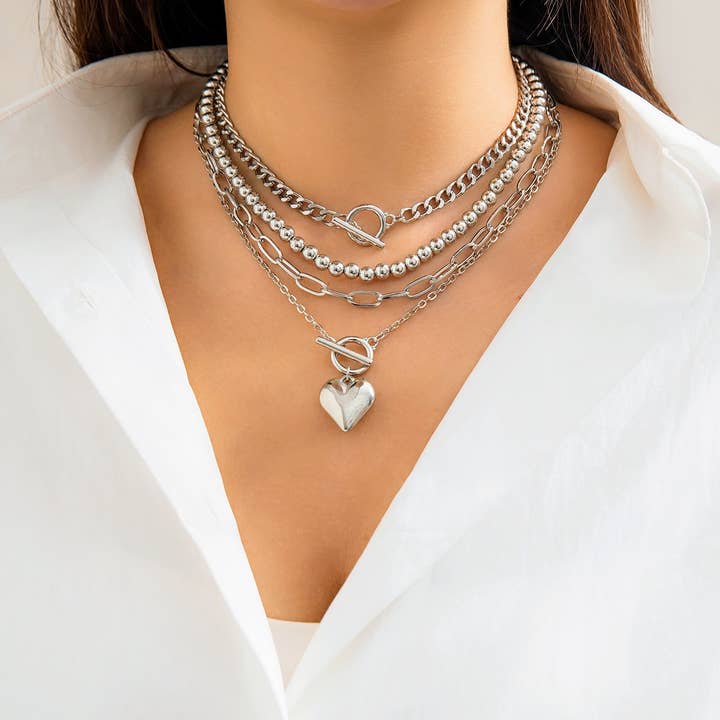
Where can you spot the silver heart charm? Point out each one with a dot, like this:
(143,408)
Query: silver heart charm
(347,400)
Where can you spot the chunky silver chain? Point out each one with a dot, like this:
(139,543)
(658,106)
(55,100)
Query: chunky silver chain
(425,289)
(529,85)
(241,214)
(401,266)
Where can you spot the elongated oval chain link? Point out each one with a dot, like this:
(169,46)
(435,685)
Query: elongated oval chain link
(528,82)
(527,186)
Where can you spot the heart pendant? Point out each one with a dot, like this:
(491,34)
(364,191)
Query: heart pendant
(346,400)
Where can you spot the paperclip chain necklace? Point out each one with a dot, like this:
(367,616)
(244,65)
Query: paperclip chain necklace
(347,398)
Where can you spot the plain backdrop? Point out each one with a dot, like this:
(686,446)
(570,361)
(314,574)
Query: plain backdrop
(682,43)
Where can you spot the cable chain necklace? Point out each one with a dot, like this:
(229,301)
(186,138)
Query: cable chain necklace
(347,398)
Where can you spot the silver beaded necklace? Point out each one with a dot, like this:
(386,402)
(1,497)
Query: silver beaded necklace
(347,398)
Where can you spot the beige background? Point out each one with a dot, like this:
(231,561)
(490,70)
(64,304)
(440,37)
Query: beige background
(683,37)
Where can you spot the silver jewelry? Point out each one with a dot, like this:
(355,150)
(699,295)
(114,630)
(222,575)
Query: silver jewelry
(530,87)
(247,205)
(422,254)
(347,398)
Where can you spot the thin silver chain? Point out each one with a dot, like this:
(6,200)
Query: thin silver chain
(529,84)
(527,186)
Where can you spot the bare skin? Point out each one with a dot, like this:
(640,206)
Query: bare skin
(307,497)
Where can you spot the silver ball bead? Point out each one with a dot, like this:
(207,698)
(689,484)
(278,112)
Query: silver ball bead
(497,185)
(460,227)
(244,191)
(336,268)
(489,197)
(207,119)
(287,233)
(352,270)
(470,217)
(259,208)
(535,127)
(238,181)
(506,175)
(518,154)
(449,236)
(213,141)
(297,244)
(310,252)
(382,271)
(268,215)
(412,261)
(251,199)
(437,245)
(211,130)
(526,146)
(367,274)
(231,171)
(322,261)
(480,207)
(275,224)
(398,269)
(531,135)
(424,253)
(512,165)
(219,152)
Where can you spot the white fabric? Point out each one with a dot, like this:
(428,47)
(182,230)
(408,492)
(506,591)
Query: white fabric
(554,553)
(291,638)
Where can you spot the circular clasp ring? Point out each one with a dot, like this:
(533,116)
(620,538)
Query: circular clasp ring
(365,360)
(356,233)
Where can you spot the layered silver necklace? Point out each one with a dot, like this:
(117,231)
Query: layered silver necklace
(527,146)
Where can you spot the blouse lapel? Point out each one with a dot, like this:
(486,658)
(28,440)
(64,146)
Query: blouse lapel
(83,256)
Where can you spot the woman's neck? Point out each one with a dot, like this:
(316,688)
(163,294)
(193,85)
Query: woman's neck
(379,105)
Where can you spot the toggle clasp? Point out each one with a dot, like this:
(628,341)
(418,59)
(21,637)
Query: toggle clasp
(354,230)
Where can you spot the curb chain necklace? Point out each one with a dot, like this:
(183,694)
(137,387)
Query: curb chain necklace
(528,84)
(347,398)
(422,254)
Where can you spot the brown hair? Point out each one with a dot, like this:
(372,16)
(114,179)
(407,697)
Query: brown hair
(607,35)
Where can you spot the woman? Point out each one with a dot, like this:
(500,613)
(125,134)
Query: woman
(502,506)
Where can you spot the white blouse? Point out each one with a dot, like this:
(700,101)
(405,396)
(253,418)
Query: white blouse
(291,638)
(567,568)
